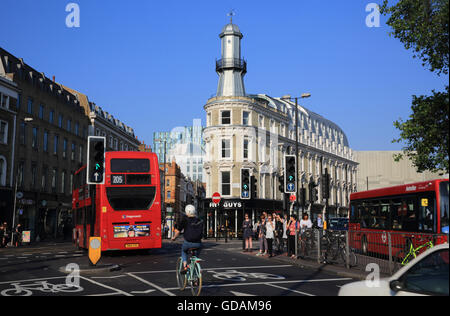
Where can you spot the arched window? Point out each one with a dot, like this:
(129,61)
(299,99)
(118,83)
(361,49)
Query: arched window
(2,171)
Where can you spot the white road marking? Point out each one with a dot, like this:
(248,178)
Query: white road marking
(266,283)
(110,277)
(240,294)
(105,294)
(106,286)
(214,269)
(290,290)
(143,292)
(151,284)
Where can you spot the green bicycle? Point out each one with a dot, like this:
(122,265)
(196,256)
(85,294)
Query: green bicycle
(193,275)
(403,259)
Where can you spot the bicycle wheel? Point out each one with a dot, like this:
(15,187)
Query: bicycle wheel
(196,279)
(352,259)
(181,278)
(401,259)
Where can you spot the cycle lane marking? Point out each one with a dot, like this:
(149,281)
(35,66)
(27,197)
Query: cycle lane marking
(213,269)
(290,290)
(266,283)
(118,291)
(165,291)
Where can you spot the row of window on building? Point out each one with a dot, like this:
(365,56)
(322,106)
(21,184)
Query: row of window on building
(44,179)
(68,125)
(113,143)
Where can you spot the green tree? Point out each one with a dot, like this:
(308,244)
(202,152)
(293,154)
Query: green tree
(426,133)
(422,25)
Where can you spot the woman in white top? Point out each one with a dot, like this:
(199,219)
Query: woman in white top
(305,223)
(270,228)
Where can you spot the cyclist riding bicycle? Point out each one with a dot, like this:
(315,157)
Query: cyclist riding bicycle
(193,233)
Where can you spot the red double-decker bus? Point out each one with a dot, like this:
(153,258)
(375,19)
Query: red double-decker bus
(412,213)
(125,211)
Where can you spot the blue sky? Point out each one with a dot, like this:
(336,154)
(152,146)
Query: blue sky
(152,63)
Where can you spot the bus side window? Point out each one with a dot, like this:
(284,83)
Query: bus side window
(410,220)
(396,214)
(427,213)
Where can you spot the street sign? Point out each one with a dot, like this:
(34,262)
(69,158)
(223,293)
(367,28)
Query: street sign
(292,198)
(216,198)
(95,249)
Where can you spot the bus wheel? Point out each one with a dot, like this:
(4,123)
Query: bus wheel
(364,245)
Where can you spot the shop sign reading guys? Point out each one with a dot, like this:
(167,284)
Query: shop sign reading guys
(227,205)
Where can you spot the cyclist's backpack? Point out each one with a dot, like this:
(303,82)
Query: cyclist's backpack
(194,230)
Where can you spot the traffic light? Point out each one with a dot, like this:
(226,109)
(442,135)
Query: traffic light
(313,194)
(290,178)
(96,160)
(245,184)
(253,186)
(325,185)
(281,181)
(302,197)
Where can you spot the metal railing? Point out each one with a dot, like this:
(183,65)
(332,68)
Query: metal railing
(227,63)
(358,249)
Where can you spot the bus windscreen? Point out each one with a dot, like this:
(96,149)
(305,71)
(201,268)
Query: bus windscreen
(130,165)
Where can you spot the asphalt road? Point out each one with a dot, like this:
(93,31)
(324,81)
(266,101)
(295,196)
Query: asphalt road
(226,272)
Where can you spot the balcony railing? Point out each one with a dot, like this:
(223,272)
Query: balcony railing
(231,63)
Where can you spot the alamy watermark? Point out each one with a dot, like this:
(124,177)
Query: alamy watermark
(73,278)
(373,18)
(73,18)
(373,278)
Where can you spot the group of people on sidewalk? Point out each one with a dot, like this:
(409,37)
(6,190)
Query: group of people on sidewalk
(272,229)
(5,235)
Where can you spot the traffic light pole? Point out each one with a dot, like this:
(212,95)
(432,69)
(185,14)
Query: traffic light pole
(296,153)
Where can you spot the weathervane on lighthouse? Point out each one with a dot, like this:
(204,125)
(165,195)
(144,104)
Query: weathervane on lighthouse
(231,14)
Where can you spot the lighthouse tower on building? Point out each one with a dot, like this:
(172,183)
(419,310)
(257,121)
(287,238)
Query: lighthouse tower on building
(231,68)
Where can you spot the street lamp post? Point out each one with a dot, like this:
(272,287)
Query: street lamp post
(303,96)
(164,179)
(26,119)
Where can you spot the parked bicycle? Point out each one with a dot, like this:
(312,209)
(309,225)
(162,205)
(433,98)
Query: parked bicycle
(306,241)
(404,256)
(193,275)
(334,245)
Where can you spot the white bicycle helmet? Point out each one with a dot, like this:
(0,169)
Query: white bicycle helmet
(190,210)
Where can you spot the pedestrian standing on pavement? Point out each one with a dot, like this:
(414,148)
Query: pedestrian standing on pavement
(292,230)
(319,221)
(18,235)
(2,233)
(305,223)
(270,230)
(285,231)
(5,235)
(261,230)
(279,233)
(247,228)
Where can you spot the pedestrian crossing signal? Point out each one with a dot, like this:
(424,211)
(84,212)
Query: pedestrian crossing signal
(245,184)
(290,170)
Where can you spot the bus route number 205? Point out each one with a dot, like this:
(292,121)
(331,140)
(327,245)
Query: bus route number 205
(118,179)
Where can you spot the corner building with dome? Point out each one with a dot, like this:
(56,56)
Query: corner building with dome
(256,131)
